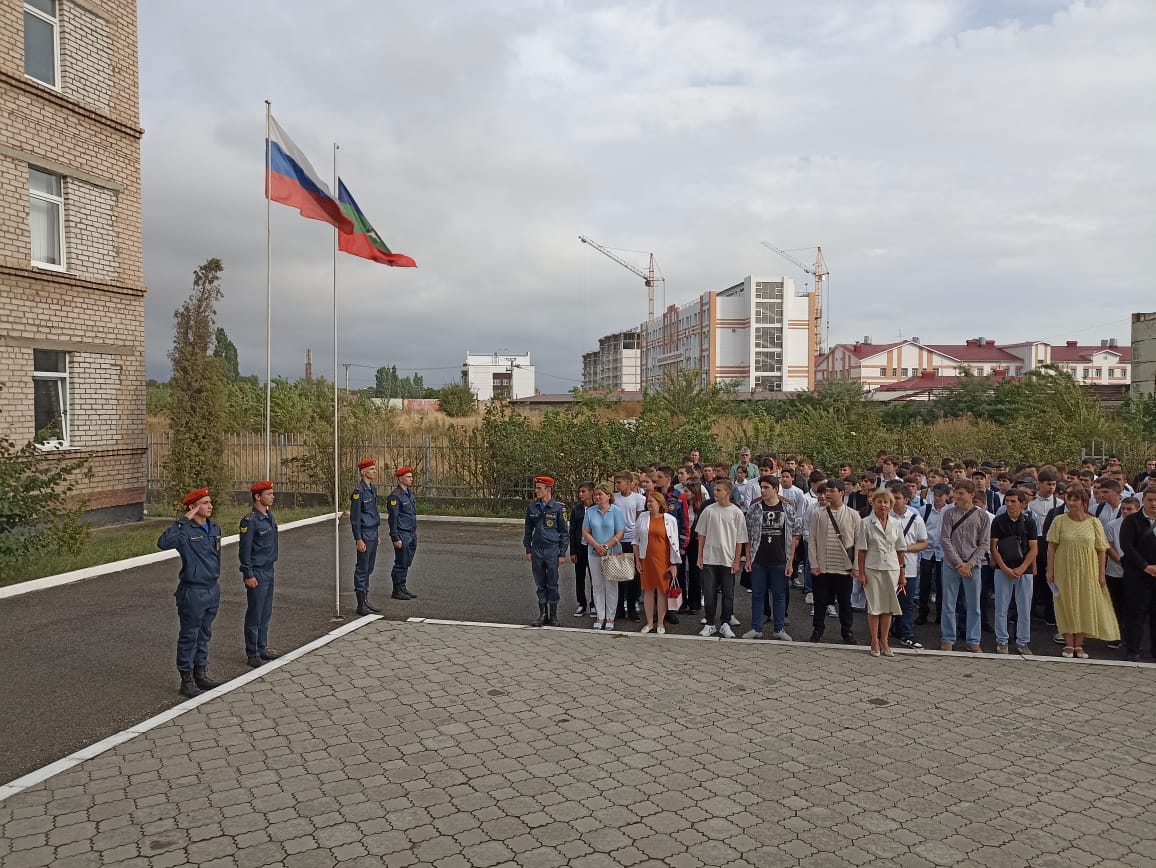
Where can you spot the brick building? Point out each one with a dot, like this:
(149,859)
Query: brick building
(71,272)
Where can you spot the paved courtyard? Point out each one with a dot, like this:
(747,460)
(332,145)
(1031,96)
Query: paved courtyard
(416,743)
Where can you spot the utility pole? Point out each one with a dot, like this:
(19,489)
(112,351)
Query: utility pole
(347,366)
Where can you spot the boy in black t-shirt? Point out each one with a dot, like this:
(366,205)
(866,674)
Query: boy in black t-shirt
(1013,552)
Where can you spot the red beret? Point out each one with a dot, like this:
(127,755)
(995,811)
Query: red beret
(545,480)
(195,495)
(368,462)
(263,485)
(402,471)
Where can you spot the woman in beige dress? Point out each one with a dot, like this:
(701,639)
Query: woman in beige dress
(881,547)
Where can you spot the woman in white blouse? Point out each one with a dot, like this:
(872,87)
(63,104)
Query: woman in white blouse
(881,549)
(656,558)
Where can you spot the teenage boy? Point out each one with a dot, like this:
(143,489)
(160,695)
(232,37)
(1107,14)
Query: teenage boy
(677,506)
(1138,542)
(965,540)
(365,522)
(579,553)
(722,539)
(545,539)
(1045,503)
(402,515)
(1107,507)
(915,535)
(931,558)
(1114,568)
(1014,542)
(632,504)
(860,501)
(834,529)
(773,531)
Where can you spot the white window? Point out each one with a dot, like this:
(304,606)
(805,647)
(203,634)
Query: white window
(50,390)
(883,372)
(46,218)
(41,42)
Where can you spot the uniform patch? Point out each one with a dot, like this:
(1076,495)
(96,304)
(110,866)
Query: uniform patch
(393,501)
(356,496)
(244,528)
(549,522)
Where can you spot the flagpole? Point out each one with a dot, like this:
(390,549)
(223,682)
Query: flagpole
(336,440)
(268,294)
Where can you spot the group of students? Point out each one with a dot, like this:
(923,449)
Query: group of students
(972,546)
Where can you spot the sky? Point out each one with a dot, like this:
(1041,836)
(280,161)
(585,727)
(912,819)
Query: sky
(969,168)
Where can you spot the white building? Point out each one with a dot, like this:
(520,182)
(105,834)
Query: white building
(1144,353)
(498,375)
(756,333)
(614,366)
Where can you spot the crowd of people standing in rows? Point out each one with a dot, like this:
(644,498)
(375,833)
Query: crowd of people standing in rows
(973,546)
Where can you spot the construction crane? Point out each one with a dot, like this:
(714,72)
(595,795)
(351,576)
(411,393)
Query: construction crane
(819,272)
(647,276)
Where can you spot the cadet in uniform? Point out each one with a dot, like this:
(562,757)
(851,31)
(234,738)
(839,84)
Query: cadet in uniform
(365,520)
(546,540)
(198,541)
(402,511)
(257,550)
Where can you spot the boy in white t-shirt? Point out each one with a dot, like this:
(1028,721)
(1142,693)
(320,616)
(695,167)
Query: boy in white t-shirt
(722,538)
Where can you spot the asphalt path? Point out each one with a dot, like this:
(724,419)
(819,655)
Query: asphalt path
(83,661)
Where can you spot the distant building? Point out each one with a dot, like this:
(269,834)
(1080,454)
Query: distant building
(1143,354)
(614,366)
(500,376)
(756,333)
(71,267)
(877,365)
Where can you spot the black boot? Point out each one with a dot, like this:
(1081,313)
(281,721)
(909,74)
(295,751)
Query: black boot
(542,618)
(202,680)
(189,686)
(552,615)
(364,607)
(409,595)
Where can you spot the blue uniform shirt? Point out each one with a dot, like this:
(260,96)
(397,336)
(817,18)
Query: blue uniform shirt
(547,534)
(199,546)
(363,515)
(402,511)
(257,546)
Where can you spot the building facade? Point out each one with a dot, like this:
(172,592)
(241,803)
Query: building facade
(1143,354)
(614,366)
(71,272)
(499,376)
(756,333)
(877,365)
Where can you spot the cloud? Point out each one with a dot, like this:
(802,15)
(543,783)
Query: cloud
(939,152)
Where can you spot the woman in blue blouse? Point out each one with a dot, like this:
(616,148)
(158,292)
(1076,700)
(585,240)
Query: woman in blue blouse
(603,526)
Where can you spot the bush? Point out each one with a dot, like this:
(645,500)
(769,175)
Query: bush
(33,514)
(457,401)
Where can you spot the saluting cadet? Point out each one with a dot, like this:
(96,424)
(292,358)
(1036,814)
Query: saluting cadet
(198,541)
(364,520)
(257,551)
(402,511)
(546,540)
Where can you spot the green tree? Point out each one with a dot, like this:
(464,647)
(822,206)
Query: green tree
(683,396)
(388,384)
(457,401)
(197,409)
(225,350)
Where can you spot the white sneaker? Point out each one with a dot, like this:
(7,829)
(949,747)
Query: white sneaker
(707,631)
(702,620)
(809,599)
(726,632)
(832,612)
(782,636)
(735,622)
(753,634)
(581,610)
(748,590)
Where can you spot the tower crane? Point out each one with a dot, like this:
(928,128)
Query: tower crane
(820,273)
(647,276)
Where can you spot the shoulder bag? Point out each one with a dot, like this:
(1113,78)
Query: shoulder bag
(617,568)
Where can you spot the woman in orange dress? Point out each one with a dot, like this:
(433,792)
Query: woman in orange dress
(657,558)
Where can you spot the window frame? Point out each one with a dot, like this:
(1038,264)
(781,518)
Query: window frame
(55,23)
(63,395)
(52,200)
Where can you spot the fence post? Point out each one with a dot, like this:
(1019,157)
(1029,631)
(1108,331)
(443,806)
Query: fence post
(425,449)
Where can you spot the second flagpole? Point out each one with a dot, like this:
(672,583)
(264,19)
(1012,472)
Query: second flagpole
(336,438)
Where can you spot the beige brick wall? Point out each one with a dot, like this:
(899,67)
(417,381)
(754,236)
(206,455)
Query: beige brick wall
(88,132)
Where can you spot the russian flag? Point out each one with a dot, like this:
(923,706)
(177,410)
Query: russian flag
(292,180)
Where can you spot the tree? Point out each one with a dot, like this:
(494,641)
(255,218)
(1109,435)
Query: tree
(197,408)
(683,396)
(389,385)
(457,400)
(225,350)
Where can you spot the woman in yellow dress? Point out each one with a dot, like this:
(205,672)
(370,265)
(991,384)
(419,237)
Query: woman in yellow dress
(1077,556)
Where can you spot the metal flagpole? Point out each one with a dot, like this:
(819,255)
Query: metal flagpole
(336,440)
(268,292)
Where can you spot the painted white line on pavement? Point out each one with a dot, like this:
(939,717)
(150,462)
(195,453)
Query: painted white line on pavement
(469,519)
(129,563)
(93,750)
(817,646)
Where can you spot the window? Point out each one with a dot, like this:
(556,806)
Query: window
(46,218)
(41,41)
(883,372)
(50,389)
(905,374)
(1097,373)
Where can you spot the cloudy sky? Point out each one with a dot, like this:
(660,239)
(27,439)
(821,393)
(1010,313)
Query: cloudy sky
(968,167)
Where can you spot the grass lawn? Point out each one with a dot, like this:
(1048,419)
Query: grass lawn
(108,544)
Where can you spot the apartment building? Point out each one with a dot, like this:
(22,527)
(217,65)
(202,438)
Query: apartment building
(756,333)
(911,362)
(500,376)
(1143,354)
(614,366)
(71,275)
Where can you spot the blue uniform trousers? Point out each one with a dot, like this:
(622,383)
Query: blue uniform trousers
(403,558)
(365,562)
(257,613)
(196,607)
(545,569)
